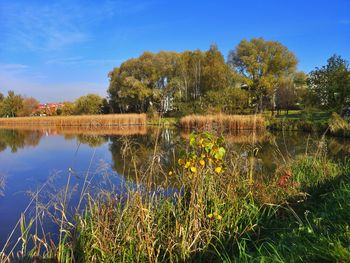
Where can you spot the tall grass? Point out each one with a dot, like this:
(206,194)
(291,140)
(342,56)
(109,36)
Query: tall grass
(338,126)
(81,120)
(223,122)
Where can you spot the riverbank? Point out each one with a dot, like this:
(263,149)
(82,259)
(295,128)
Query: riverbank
(225,211)
(322,122)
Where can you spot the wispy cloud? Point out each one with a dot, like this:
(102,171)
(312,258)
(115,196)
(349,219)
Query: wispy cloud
(44,43)
(39,27)
(53,25)
(82,61)
(13,67)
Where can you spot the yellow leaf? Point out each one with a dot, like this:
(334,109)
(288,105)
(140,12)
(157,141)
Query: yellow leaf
(219,217)
(210,216)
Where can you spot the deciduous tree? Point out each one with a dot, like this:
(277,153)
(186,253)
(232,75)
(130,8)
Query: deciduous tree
(330,84)
(29,106)
(262,64)
(11,105)
(89,104)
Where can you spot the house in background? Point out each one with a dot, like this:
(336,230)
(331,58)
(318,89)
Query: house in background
(48,109)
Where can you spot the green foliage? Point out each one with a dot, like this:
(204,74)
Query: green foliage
(306,125)
(89,104)
(168,81)
(137,83)
(338,126)
(234,101)
(330,84)
(206,152)
(11,105)
(312,230)
(262,64)
(68,108)
(285,94)
(309,171)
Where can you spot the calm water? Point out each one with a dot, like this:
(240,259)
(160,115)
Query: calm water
(32,160)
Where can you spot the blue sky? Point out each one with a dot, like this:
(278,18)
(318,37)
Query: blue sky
(60,50)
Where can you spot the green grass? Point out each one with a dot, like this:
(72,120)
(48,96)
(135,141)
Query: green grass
(302,115)
(317,230)
(298,120)
(164,121)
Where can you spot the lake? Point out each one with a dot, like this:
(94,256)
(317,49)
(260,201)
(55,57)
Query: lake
(36,164)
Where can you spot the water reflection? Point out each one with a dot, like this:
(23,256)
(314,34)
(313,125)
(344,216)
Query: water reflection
(18,139)
(158,150)
(2,185)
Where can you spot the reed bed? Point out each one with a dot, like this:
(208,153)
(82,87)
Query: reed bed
(223,122)
(109,120)
(73,130)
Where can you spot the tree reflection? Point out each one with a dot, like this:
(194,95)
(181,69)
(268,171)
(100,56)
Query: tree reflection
(18,139)
(92,140)
(152,155)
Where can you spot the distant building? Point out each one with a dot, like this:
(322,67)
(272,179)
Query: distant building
(48,109)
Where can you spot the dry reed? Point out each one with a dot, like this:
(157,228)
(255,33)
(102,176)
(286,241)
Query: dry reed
(223,122)
(81,120)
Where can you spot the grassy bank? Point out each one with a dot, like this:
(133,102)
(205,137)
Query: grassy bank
(298,120)
(223,122)
(218,211)
(81,120)
(279,124)
(316,230)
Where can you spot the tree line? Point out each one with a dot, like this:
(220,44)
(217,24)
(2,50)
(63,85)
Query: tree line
(16,105)
(257,75)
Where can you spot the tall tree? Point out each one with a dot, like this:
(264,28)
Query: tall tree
(262,64)
(89,104)
(11,105)
(68,108)
(29,106)
(216,75)
(285,95)
(330,84)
